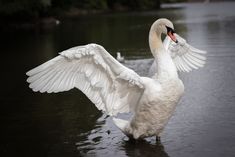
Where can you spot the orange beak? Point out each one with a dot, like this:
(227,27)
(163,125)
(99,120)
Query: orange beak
(172,36)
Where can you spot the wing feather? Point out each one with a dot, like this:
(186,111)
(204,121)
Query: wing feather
(185,56)
(188,63)
(181,65)
(112,87)
(48,81)
(193,60)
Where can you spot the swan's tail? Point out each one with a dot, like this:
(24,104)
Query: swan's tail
(121,124)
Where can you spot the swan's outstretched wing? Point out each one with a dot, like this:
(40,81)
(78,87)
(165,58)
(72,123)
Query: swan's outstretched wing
(184,55)
(112,87)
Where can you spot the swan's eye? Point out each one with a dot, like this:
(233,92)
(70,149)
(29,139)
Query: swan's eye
(170,30)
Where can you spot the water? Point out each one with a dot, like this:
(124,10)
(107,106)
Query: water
(68,124)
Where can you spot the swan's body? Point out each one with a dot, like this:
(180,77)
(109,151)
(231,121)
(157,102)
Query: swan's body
(114,88)
(155,107)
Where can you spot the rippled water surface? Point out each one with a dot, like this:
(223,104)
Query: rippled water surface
(68,124)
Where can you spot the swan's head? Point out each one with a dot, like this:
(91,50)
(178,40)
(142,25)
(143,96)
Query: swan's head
(165,26)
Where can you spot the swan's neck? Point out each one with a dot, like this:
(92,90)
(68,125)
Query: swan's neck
(166,67)
(155,42)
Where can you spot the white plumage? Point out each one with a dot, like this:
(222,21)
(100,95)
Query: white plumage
(114,88)
(120,58)
(95,72)
(185,57)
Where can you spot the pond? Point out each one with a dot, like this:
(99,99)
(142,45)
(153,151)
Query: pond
(68,124)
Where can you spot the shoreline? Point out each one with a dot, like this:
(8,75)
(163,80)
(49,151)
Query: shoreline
(54,20)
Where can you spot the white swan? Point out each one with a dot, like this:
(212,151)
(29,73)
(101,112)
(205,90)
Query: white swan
(120,58)
(114,88)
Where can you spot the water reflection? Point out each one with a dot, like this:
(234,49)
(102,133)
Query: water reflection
(144,148)
(106,140)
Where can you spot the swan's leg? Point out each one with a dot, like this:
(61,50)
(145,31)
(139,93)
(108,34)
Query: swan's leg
(133,140)
(158,139)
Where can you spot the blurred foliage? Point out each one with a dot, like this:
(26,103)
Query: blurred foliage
(24,9)
(133,4)
(107,4)
(33,9)
(174,1)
